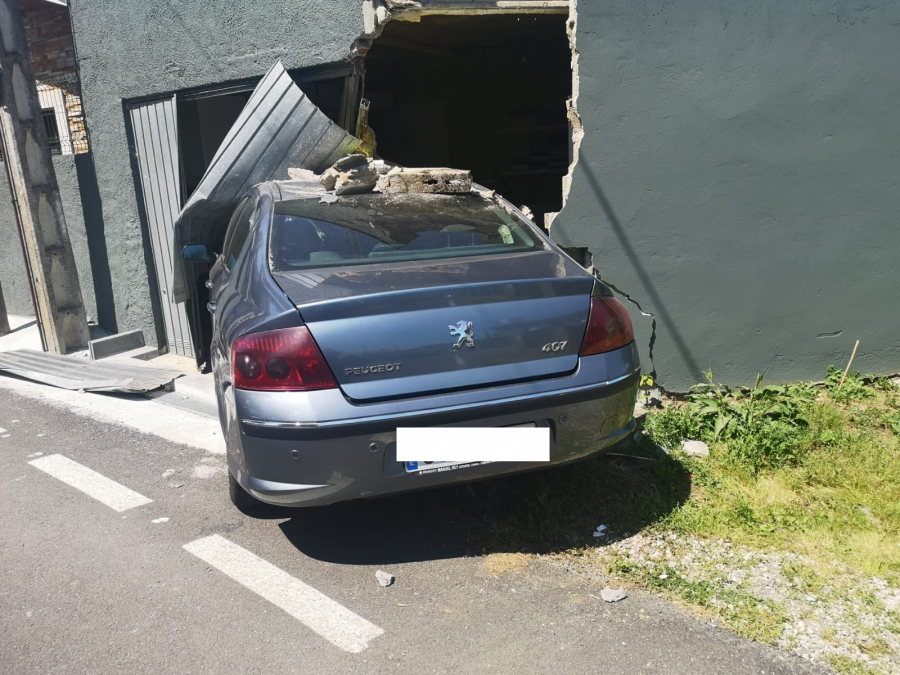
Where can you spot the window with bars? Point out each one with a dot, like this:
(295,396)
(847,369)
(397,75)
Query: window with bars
(52,128)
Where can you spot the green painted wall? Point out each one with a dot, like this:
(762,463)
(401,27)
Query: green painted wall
(739,180)
(738,175)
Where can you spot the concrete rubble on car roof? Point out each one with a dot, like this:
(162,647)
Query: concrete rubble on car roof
(358,174)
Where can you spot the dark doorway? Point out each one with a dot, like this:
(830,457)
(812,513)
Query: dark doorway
(486,93)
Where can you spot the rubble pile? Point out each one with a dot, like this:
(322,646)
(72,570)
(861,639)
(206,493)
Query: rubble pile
(358,174)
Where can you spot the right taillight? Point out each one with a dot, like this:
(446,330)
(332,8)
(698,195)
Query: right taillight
(609,327)
(287,359)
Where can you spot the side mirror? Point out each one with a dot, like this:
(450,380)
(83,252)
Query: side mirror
(195,253)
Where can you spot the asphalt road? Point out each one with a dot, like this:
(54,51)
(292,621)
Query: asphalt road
(85,588)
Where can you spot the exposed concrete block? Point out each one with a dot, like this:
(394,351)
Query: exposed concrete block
(116,344)
(427,180)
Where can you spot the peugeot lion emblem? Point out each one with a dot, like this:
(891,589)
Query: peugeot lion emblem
(462,331)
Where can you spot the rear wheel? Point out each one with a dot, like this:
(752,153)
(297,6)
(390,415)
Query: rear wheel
(240,497)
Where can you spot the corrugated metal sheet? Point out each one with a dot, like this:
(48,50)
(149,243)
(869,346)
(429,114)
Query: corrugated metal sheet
(74,372)
(278,128)
(155,128)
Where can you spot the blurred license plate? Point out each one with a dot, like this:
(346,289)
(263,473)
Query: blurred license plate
(428,467)
(437,467)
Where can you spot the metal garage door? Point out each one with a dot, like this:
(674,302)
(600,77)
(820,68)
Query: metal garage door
(154,124)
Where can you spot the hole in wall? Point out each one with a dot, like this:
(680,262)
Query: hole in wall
(481,92)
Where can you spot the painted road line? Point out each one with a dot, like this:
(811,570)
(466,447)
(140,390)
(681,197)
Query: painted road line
(316,611)
(109,492)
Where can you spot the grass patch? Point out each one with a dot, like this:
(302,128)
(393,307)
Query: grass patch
(847,666)
(810,470)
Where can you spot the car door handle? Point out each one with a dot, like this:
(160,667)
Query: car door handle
(211,306)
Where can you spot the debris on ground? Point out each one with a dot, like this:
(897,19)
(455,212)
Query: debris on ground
(384,578)
(695,448)
(613,594)
(82,374)
(600,531)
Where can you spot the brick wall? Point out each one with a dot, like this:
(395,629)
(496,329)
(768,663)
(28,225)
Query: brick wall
(49,39)
(49,34)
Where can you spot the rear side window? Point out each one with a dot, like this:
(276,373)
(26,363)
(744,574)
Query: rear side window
(375,228)
(239,229)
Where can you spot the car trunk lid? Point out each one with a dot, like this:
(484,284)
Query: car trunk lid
(409,329)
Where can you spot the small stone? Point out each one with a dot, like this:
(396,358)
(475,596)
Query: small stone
(384,578)
(695,448)
(613,594)
(329,178)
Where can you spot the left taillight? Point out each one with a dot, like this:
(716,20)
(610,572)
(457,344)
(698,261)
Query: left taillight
(279,360)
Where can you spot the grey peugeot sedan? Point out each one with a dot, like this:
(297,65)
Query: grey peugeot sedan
(338,319)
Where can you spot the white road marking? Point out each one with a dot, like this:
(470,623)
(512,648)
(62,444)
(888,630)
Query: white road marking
(106,491)
(316,611)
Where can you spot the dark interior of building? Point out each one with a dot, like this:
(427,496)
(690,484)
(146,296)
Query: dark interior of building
(485,93)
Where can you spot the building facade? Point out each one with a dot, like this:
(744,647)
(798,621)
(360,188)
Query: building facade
(730,169)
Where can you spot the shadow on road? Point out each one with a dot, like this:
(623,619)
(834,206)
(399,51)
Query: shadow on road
(540,512)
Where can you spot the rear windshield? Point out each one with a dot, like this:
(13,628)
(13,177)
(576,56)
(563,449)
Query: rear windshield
(375,228)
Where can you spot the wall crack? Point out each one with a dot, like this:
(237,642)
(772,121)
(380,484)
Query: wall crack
(634,302)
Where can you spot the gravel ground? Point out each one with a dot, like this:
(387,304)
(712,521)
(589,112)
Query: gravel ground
(831,615)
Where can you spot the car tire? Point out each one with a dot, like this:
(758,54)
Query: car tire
(240,497)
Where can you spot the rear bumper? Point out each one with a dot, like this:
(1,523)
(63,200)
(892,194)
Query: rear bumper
(292,460)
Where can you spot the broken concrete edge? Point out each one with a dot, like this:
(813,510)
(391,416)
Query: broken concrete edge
(572,105)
